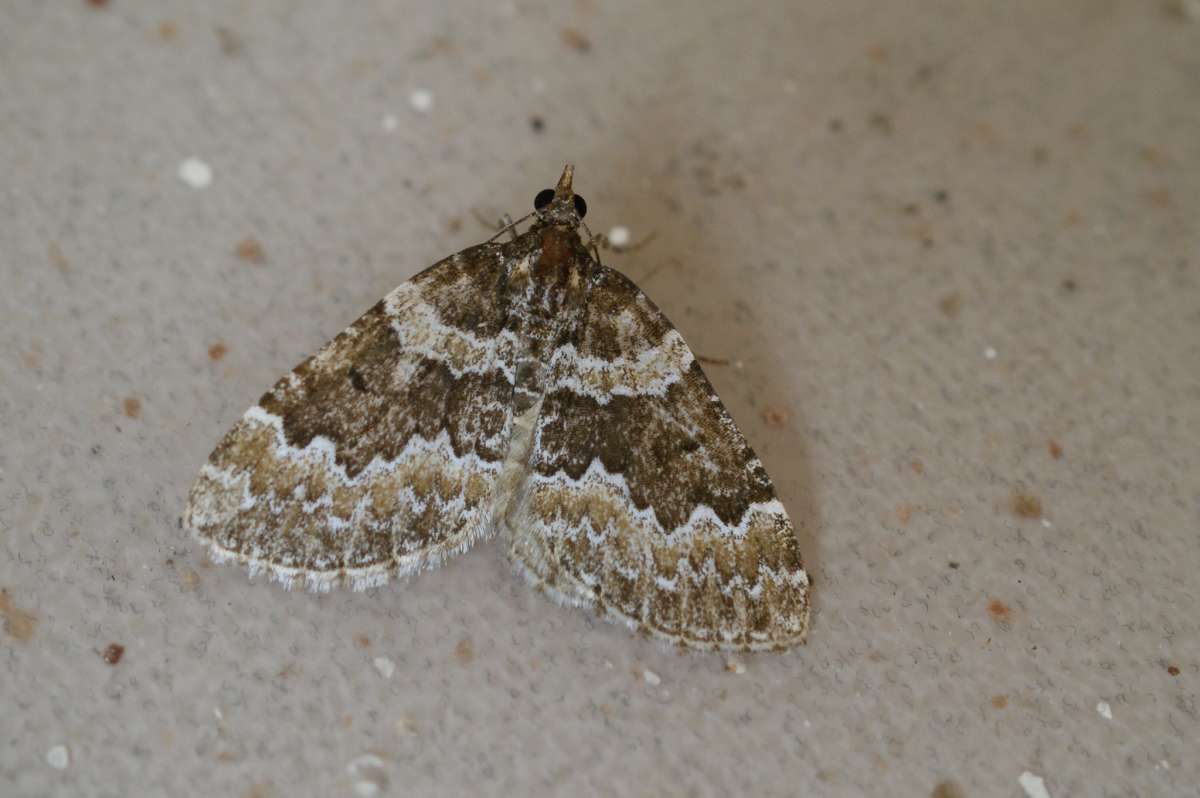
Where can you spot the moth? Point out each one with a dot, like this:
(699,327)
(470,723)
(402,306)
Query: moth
(519,388)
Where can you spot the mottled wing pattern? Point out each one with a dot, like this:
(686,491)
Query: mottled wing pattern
(643,500)
(380,453)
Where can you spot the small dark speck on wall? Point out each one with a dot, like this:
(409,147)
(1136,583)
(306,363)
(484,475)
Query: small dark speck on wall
(880,123)
(18,623)
(112,655)
(576,40)
(951,305)
(229,42)
(947,789)
(1026,506)
(999,611)
(250,250)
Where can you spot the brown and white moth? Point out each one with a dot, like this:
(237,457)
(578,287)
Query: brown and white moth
(518,388)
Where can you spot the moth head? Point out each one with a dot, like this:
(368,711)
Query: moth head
(560,204)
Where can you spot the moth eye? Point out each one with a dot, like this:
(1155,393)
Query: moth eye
(580,206)
(543,198)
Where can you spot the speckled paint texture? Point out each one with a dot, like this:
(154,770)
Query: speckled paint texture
(943,268)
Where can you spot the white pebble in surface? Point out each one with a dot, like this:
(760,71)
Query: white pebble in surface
(58,758)
(366,789)
(651,677)
(390,122)
(1105,710)
(1046,523)
(1034,786)
(990,354)
(421,100)
(369,774)
(385,667)
(196,173)
(619,236)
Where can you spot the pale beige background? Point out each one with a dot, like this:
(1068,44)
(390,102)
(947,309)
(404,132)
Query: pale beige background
(855,203)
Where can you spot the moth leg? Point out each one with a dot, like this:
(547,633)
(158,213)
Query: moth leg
(636,245)
(599,241)
(595,242)
(506,223)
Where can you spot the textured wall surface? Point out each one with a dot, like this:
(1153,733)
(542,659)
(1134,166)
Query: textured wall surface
(951,254)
